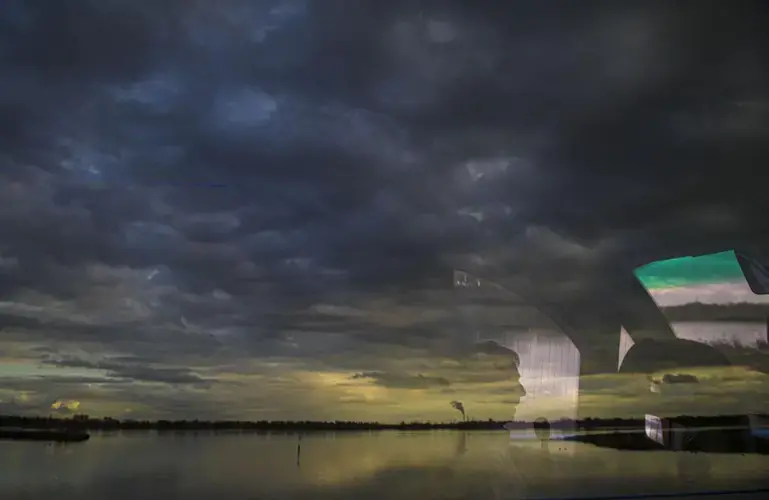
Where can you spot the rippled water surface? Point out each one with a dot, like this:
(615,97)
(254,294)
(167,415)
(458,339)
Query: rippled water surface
(424,465)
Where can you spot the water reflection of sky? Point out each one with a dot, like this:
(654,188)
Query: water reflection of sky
(378,465)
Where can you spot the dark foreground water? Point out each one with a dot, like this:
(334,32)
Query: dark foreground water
(419,465)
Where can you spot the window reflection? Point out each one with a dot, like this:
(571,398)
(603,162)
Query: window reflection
(549,360)
(707,299)
(709,304)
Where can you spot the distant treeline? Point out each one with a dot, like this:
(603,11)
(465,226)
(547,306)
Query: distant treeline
(84,422)
(698,311)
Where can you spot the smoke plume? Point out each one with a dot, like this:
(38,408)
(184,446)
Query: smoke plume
(457,405)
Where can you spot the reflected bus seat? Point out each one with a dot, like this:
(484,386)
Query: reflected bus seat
(670,367)
(653,356)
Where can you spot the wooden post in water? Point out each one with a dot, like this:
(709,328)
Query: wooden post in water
(298,450)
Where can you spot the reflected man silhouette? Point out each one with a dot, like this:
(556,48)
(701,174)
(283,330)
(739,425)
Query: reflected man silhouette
(489,362)
(484,361)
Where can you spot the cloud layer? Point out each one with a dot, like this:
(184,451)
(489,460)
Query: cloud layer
(215,208)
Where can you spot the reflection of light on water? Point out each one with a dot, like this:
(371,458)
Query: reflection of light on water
(349,459)
(251,466)
(529,434)
(522,434)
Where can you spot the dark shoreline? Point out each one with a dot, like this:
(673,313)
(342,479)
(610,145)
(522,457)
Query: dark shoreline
(86,423)
(43,435)
(83,423)
(737,441)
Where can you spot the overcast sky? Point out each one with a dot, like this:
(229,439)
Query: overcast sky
(251,209)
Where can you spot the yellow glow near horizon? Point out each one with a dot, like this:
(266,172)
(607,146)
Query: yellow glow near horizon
(70,405)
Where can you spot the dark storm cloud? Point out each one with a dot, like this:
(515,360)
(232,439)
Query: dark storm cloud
(253,160)
(134,337)
(52,384)
(133,370)
(402,381)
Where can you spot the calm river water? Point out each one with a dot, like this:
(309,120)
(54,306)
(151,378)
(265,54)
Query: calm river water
(403,465)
